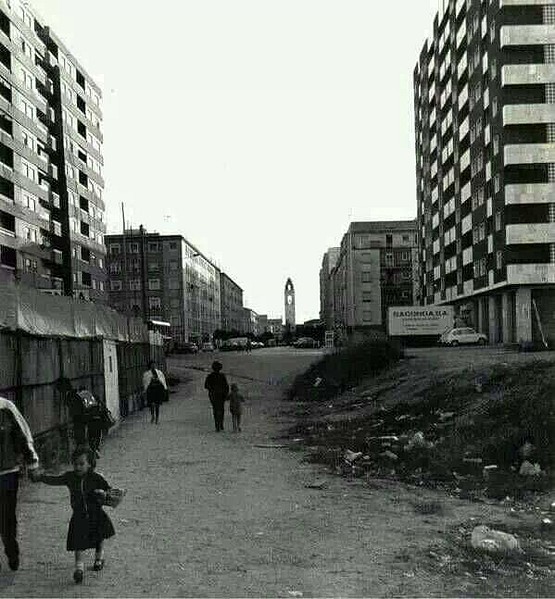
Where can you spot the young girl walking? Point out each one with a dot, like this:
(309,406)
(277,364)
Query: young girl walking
(89,524)
(236,401)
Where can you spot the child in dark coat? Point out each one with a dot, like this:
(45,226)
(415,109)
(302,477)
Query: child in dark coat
(89,524)
(236,401)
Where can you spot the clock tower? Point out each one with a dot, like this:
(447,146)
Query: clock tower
(289,295)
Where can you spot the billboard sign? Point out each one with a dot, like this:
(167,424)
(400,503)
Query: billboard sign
(420,320)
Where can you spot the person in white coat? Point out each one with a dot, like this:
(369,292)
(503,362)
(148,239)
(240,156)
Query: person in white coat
(16,447)
(155,390)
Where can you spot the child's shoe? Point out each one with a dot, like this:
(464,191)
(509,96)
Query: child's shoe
(98,564)
(78,576)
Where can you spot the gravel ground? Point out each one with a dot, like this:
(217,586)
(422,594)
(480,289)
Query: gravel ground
(212,515)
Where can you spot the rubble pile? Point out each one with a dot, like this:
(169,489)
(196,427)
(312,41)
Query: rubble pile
(488,434)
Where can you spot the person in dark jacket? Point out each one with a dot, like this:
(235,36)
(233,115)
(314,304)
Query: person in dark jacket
(16,446)
(218,390)
(89,525)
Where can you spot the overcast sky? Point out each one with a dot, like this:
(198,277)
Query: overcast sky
(257,129)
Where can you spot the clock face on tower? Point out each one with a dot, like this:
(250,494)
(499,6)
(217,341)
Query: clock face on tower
(289,300)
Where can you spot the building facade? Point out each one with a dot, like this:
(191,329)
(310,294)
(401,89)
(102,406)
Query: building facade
(289,301)
(52,209)
(326,292)
(375,269)
(165,278)
(250,322)
(231,304)
(484,99)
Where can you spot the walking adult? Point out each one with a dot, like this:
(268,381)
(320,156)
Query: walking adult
(89,415)
(218,390)
(155,389)
(16,444)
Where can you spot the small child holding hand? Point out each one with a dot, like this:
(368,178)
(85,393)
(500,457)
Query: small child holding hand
(89,524)
(236,401)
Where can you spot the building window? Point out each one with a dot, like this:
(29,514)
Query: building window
(366,276)
(133,248)
(367,316)
(115,285)
(173,245)
(499,259)
(498,221)
(135,284)
(115,249)
(154,284)
(153,267)
(153,247)
(366,296)
(154,303)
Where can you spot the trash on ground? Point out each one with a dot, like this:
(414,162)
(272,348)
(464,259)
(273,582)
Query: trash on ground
(351,456)
(493,541)
(318,484)
(318,382)
(529,469)
(270,446)
(418,441)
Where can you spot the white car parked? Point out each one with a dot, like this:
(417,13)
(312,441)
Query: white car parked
(463,336)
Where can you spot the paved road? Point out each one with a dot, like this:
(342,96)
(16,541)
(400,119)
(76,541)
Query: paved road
(212,515)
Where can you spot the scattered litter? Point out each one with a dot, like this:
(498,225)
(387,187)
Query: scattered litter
(319,484)
(269,446)
(384,438)
(547,523)
(445,416)
(473,460)
(529,469)
(418,441)
(493,541)
(552,507)
(318,382)
(351,456)
(294,593)
(124,521)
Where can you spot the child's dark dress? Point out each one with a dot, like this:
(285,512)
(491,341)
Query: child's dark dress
(89,524)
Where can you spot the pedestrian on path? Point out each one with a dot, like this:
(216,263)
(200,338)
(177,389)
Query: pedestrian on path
(89,525)
(218,390)
(236,401)
(15,441)
(156,389)
(89,415)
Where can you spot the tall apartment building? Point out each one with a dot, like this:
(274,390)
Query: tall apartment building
(165,278)
(484,99)
(326,292)
(375,269)
(51,203)
(231,304)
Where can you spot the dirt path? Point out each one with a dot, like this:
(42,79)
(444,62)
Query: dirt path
(211,515)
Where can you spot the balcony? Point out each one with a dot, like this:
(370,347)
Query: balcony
(530,153)
(530,233)
(531,193)
(526,274)
(527,74)
(524,114)
(503,3)
(527,35)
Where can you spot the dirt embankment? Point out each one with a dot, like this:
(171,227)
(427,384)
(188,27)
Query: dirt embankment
(476,424)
